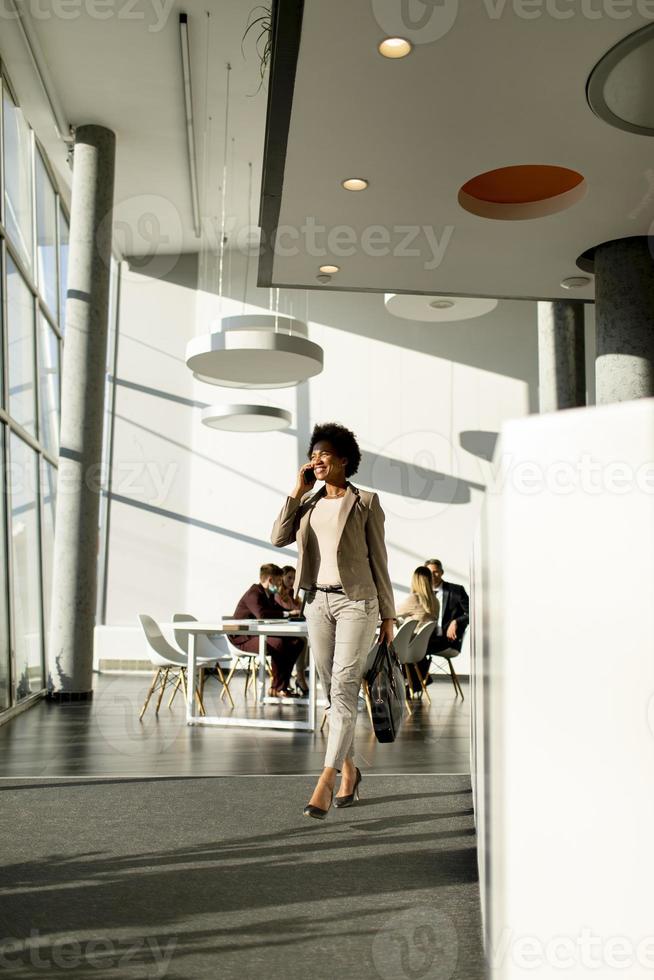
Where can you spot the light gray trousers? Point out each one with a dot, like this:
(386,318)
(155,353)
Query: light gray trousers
(341,633)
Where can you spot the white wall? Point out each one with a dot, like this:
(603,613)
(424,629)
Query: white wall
(153,426)
(415,395)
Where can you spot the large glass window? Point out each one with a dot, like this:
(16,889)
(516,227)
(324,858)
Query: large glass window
(46,235)
(49,499)
(18,179)
(5,694)
(26,579)
(20,342)
(48,386)
(34,240)
(64,236)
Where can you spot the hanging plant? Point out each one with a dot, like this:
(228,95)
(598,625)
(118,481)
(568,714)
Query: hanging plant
(261,25)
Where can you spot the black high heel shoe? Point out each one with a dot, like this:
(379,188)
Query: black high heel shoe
(315,811)
(302,689)
(341,801)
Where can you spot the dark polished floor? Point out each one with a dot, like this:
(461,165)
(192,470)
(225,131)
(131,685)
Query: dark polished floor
(105,738)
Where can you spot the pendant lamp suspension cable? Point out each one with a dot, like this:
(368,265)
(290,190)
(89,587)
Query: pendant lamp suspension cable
(206,156)
(229,253)
(224,192)
(247,250)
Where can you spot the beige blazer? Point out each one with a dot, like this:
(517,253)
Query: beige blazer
(412,608)
(361,554)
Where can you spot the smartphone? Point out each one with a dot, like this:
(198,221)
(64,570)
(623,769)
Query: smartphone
(309,475)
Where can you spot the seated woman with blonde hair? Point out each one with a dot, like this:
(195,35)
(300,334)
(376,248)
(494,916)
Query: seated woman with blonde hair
(422,604)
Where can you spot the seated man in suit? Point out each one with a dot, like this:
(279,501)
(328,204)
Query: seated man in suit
(259,603)
(454,613)
(453,617)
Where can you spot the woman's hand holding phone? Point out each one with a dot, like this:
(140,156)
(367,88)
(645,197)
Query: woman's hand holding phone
(305,480)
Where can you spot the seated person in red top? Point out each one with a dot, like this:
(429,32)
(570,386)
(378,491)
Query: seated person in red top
(286,596)
(259,603)
(289,601)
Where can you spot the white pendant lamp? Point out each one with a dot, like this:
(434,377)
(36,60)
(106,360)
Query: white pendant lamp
(437,309)
(255,351)
(246,418)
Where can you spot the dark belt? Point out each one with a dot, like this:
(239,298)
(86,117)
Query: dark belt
(326,588)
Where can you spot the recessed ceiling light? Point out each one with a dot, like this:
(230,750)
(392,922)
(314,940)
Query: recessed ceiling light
(395,47)
(355,184)
(330,269)
(575,282)
(441,304)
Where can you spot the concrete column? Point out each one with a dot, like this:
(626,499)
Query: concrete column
(561,355)
(82,409)
(624,316)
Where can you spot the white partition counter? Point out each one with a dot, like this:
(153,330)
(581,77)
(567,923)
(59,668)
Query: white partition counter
(563,690)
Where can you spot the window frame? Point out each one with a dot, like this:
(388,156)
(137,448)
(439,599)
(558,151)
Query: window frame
(54,319)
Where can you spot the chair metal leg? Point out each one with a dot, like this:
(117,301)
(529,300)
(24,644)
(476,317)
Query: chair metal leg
(182,676)
(366,694)
(199,691)
(422,681)
(149,694)
(248,678)
(175,689)
(229,677)
(225,684)
(406,670)
(164,681)
(455,679)
(407,689)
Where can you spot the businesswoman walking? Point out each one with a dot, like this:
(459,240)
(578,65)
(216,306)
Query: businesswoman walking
(343,567)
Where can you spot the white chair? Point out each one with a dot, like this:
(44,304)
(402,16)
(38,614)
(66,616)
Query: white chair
(170,664)
(251,663)
(416,651)
(448,655)
(211,651)
(400,644)
(403,637)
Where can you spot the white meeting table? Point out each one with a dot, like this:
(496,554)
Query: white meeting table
(247,627)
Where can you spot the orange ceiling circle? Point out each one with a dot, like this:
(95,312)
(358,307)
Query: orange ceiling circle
(526,191)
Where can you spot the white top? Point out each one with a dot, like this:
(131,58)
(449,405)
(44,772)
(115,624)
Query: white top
(323,529)
(439,595)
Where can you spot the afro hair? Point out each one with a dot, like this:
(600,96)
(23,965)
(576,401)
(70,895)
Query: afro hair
(342,440)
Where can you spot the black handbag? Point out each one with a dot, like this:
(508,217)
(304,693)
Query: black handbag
(387,696)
